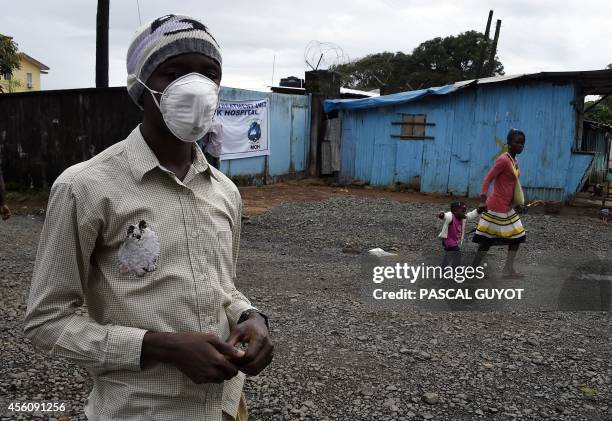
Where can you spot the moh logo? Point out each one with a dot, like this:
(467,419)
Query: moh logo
(254,133)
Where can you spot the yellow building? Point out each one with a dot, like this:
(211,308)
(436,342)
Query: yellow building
(26,78)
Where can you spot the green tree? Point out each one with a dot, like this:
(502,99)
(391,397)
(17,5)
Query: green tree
(376,70)
(9,60)
(436,62)
(602,112)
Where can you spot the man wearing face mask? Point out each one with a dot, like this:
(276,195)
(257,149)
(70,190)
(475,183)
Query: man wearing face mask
(146,234)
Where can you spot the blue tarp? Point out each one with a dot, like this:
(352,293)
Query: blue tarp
(386,100)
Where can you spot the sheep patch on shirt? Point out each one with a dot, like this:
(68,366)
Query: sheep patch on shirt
(139,253)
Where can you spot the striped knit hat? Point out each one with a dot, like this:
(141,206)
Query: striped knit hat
(165,37)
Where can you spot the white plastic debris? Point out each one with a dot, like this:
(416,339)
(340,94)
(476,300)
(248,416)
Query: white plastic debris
(378,252)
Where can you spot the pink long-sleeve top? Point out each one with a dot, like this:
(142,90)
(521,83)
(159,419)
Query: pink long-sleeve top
(503,178)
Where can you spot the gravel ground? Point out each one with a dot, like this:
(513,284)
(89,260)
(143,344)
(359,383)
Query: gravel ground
(339,359)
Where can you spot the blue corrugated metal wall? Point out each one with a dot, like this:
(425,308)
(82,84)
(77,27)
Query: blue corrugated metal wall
(289,137)
(470,130)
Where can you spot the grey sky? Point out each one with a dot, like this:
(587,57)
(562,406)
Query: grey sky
(536,35)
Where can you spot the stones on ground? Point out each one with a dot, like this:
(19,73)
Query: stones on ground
(309,404)
(342,375)
(351,248)
(367,391)
(431,398)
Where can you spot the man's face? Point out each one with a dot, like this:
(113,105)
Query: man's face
(172,69)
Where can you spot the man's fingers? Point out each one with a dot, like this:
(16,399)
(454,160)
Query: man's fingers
(228,369)
(255,356)
(253,350)
(260,362)
(227,349)
(237,336)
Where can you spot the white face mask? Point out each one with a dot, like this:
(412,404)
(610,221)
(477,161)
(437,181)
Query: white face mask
(188,105)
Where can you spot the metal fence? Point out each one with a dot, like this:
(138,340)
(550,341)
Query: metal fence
(43,133)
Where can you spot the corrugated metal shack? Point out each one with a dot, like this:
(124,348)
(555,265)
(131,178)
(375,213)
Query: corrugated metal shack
(445,139)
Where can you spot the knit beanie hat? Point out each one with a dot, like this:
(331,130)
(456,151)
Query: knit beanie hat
(165,37)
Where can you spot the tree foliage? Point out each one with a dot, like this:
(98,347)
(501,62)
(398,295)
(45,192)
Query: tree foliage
(436,62)
(602,112)
(9,57)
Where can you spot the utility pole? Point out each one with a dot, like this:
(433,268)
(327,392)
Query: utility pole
(485,43)
(102,44)
(491,66)
(488,30)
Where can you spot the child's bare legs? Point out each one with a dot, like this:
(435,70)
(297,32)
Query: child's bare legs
(483,248)
(452,257)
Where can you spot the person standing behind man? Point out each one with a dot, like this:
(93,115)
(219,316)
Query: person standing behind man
(146,234)
(211,144)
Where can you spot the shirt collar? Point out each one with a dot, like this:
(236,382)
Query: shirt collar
(142,159)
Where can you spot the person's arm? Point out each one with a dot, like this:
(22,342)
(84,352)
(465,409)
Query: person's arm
(447,217)
(59,280)
(239,303)
(253,329)
(498,167)
(473,214)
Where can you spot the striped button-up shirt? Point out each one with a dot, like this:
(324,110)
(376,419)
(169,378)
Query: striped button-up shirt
(89,306)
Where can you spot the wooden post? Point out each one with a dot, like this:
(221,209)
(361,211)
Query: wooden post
(322,84)
(488,30)
(579,106)
(483,50)
(266,169)
(102,44)
(491,67)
